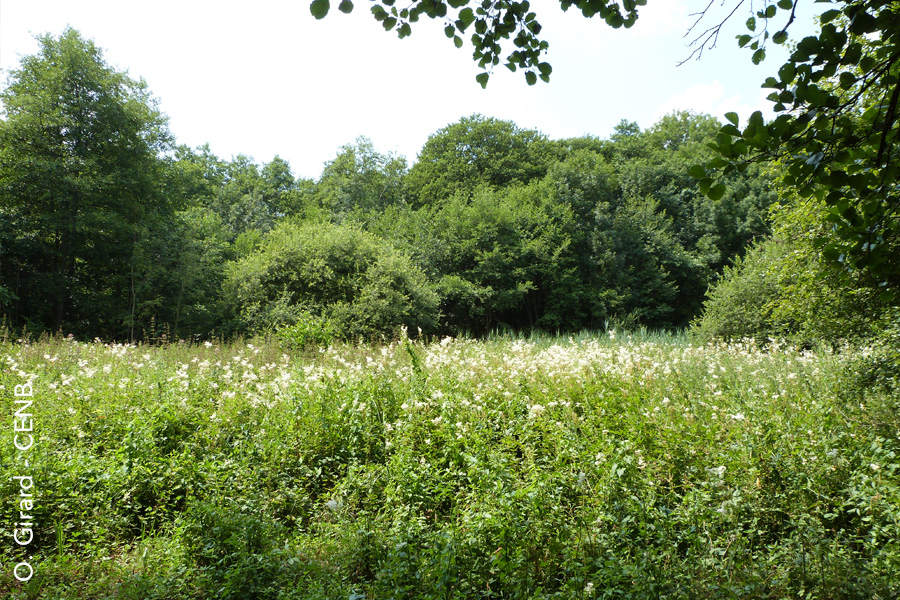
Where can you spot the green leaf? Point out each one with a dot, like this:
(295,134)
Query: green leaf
(887,296)
(770,11)
(530,77)
(319,8)
(482,78)
(786,73)
(751,24)
(755,120)
(697,172)
(716,192)
(457,41)
(758,56)
(780,37)
(733,117)
(785,4)
(829,15)
(346,7)
(831,252)
(450,31)
(467,17)
(743,40)
(847,80)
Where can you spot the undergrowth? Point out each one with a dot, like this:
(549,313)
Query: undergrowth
(640,466)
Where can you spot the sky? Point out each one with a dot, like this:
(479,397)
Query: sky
(264,78)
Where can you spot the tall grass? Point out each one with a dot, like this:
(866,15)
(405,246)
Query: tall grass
(622,465)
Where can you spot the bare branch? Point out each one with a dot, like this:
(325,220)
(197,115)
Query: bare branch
(709,37)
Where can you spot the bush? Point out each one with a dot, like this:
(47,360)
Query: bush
(360,284)
(308,332)
(739,305)
(785,288)
(234,550)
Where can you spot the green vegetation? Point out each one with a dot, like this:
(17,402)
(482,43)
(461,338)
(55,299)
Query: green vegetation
(642,466)
(838,95)
(359,284)
(108,229)
(354,450)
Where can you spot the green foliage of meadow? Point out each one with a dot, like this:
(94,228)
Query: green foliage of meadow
(629,466)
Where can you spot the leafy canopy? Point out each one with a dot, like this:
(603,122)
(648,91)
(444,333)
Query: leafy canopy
(80,174)
(836,135)
(838,96)
(491,22)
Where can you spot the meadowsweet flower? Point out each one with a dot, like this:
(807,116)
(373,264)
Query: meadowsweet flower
(535,411)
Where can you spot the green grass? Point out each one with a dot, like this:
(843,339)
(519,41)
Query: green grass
(643,466)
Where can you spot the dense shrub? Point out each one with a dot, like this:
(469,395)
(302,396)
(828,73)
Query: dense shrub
(309,331)
(739,305)
(360,284)
(785,288)
(640,467)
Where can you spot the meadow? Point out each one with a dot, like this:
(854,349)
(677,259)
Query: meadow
(596,466)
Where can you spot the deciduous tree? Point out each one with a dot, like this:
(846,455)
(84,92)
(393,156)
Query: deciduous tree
(80,175)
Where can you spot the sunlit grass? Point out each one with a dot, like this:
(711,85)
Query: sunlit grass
(606,465)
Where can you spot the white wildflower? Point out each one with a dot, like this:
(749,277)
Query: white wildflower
(720,471)
(535,411)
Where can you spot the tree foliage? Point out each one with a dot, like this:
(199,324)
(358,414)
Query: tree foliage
(491,22)
(80,178)
(361,180)
(495,227)
(477,151)
(838,94)
(359,283)
(836,136)
(785,288)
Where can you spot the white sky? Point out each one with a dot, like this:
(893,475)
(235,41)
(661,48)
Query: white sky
(265,78)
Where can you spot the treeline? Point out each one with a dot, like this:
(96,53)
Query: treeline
(110,229)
